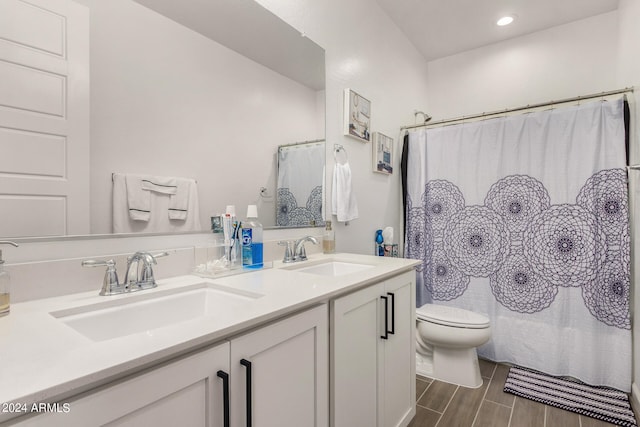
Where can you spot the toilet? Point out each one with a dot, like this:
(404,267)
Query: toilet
(447,338)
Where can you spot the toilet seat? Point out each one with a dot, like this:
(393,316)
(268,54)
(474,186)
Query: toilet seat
(452,316)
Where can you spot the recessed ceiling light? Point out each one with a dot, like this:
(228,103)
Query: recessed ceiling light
(505,20)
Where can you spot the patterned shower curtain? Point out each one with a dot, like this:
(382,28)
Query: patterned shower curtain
(299,191)
(525,219)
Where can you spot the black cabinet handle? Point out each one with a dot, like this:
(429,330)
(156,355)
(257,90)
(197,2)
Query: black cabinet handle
(393,313)
(225,395)
(247,364)
(386,318)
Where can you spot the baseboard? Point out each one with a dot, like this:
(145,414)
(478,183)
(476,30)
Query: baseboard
(635,399)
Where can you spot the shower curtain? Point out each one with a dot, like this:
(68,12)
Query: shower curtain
(525,219)
(299,192)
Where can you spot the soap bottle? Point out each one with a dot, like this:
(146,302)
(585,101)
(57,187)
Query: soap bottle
(328,239)
(252,252)
(5,284)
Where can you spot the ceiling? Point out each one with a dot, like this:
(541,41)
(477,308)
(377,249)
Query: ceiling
(235,25)
(440,28)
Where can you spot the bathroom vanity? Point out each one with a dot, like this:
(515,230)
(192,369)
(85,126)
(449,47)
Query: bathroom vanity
(323,342)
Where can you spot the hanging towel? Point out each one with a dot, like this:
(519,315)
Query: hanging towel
(344,204)
(160,184)
(159,204)
(138,199)
(179,201)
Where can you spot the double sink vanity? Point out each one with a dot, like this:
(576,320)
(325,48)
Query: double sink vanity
(324,342)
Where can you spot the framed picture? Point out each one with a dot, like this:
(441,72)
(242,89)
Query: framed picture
(382,153)
(357,116)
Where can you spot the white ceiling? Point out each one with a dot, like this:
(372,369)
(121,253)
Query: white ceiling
(251,30)
(440,28)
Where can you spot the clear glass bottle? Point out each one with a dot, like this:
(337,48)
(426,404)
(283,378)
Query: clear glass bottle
(328,239)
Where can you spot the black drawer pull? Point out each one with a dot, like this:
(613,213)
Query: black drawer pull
(225,395)
(247,364)
(393,313)
(386,318)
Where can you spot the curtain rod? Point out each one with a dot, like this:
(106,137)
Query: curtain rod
(293,144)
(511,110)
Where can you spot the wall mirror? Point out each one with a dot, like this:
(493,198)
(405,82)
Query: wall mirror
(206,90)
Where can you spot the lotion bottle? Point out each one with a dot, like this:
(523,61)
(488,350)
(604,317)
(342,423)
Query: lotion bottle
(328,239)
(5,284)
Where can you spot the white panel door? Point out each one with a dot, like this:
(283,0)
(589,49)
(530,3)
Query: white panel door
(44,118)
(279,373)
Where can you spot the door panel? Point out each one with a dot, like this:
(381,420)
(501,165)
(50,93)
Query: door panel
(44,109)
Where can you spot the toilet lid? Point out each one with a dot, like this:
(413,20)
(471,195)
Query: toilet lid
(452,316)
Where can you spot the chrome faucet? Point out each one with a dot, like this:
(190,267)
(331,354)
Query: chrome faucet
(140,270)
(299,253)
(139,273)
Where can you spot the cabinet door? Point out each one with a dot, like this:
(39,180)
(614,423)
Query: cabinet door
(398,393)
(184,393)
(356,343)
(280,373)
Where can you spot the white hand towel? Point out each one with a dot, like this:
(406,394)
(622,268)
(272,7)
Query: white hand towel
(159,184)
(344,204)
(138,199)
(179,202)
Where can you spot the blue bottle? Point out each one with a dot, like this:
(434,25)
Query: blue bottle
(379,241)
(252,253)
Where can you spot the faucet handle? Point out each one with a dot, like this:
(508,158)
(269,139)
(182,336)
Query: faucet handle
(98,263)
(148,257)
(110,281)
(146,276)
(160,255)
(288,253)
(147,272)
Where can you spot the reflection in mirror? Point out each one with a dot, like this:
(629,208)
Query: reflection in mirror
(300,182)
(204,91)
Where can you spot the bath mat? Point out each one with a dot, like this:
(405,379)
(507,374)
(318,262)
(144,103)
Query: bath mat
(602,403)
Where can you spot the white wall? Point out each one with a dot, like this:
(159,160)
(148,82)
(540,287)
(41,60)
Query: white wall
(366,52)
(578,58)
(166,100)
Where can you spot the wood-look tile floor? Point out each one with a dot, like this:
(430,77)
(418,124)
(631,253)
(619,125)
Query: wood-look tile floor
(441,404)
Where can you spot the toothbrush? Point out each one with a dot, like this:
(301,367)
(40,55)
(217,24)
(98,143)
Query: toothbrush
(226,229)
(234,239)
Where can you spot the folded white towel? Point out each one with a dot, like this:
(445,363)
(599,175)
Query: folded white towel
(160,184)
(138,199)
(179,202)
(344,204)
(159,221)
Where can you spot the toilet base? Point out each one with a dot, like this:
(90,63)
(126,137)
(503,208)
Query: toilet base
(454,366)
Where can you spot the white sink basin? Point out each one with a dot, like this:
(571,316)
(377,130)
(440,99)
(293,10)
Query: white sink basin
(333,268)
(138,313)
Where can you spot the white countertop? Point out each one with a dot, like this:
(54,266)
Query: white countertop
(44,360)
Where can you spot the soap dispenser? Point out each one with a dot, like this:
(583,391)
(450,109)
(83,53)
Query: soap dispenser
(5,284)
(328,239)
